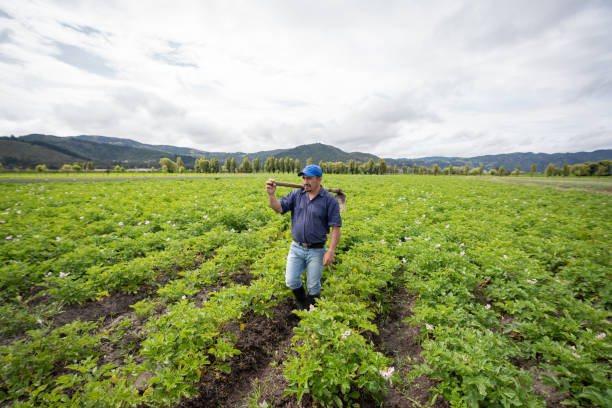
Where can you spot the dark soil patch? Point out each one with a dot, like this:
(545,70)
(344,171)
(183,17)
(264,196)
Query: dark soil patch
(258,343)
(399,340)
(109,307)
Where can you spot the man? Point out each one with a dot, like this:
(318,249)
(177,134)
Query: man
(313,211)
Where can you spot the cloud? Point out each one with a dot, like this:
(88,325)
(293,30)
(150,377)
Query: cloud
(87,30)
(83,59)
(402,79)
(4,14)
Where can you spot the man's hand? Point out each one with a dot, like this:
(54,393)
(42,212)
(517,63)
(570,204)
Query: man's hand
(271,186)
(271,189)
(328,258)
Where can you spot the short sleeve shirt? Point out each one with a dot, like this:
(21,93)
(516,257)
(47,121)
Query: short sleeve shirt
(311,219)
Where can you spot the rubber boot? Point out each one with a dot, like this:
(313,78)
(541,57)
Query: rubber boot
(312,299)
(300,295)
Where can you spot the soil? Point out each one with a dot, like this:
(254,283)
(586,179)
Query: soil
(259,345)
(109,307)
(399,340)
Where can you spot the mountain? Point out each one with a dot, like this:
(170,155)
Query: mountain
(509,160)
(29,150)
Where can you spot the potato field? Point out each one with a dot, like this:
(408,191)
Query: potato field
(446,291)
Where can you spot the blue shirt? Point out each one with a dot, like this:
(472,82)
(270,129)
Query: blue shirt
(311,219)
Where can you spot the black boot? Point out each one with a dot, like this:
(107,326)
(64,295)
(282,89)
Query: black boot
(300,295)
(312,299)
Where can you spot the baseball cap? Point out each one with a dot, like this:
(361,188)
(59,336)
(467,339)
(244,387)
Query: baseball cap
(311,170)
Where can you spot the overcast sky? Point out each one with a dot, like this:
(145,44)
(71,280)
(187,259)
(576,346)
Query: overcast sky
(397,79)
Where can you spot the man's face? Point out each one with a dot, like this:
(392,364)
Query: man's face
(311,183)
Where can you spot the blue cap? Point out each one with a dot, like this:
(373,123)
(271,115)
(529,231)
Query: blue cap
(311,170)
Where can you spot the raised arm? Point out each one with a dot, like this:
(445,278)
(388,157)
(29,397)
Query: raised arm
(271,190)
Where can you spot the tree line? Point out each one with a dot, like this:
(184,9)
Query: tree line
(290,165)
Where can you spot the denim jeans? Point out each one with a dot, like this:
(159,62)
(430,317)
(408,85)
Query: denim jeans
(300,259)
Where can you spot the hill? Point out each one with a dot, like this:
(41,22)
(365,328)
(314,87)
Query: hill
(510,160)
(29,150)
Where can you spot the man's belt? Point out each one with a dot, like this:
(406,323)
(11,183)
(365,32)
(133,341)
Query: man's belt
(307,245)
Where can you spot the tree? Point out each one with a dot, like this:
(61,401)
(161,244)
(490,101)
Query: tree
(233,165)
(40,168)
(309,161)
(370,167)
(436,169)
(256,165)
(415,168)
(245,166)
(466,170)
(119,169)
(66,167)
(603,167)
(566,170)
(533,169)
(204,166)
(550,170)
(227,164)
(451,170)
(179,162)
(214,165)
(298,165)
(382,166)
(171,167)
(502,171)
(76,167)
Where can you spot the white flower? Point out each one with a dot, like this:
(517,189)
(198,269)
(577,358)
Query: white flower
(312,308)
(9,237)
(121,223)
(487,306)
(427,239)
(437,246)
(403,260)
(169,222)
(505,256)
(205,217)
(429,327)
(147,222)
(382,241)
(576,355)
(424,215)
(49,273)
(346,334)
(387,372)
(183,297)
(447,226)
(417,222)
(81,217)
(601,336)
(139,222)
(408,238)
(464,358)
(462,253)
(532,281)
(18,211)
(63,275)
(58,239)
(461,245)
(167,239)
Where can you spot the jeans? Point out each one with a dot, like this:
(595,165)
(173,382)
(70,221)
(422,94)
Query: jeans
(300,259)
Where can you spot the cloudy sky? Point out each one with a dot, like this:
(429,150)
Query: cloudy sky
(393,78)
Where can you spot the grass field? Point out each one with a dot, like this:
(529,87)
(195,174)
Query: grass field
(446,291)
